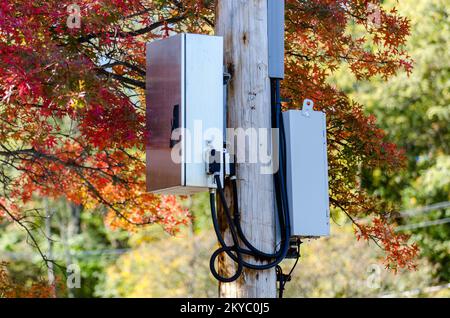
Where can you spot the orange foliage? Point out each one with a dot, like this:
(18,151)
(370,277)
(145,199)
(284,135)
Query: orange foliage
(10,289)
(68,128)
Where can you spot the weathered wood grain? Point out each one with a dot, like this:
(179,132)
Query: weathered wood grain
(243,24)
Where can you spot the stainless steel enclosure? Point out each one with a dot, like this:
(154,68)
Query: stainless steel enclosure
(184,97)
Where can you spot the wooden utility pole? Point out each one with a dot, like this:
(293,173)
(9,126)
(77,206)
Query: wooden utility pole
(243,24)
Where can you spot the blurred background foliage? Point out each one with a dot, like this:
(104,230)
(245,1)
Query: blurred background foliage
(414,110)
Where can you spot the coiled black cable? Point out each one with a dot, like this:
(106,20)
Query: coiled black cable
(236,252)
(235,248)
(223,248)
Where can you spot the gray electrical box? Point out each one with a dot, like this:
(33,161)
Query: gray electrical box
(276,27)
(307,171)
(184,97)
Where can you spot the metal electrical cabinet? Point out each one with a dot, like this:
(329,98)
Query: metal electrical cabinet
(307,171)
(276,25)
(184,97)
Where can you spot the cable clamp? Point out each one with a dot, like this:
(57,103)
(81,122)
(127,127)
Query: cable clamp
(226,77)
(213,161)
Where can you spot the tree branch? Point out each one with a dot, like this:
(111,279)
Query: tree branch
(121,78)
(142,31)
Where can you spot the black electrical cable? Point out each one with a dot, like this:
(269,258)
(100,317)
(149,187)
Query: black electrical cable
(281,194)
(235,252)
(283,279)
(223,248)
(235,237)
(256,252)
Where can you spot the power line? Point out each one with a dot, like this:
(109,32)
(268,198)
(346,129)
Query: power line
(17,256)
(422,224)
(424,209)
(418,291)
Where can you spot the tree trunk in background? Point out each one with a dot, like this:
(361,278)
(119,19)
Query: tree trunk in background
(48,234)
(75,223)
(70,223)
(243,24)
